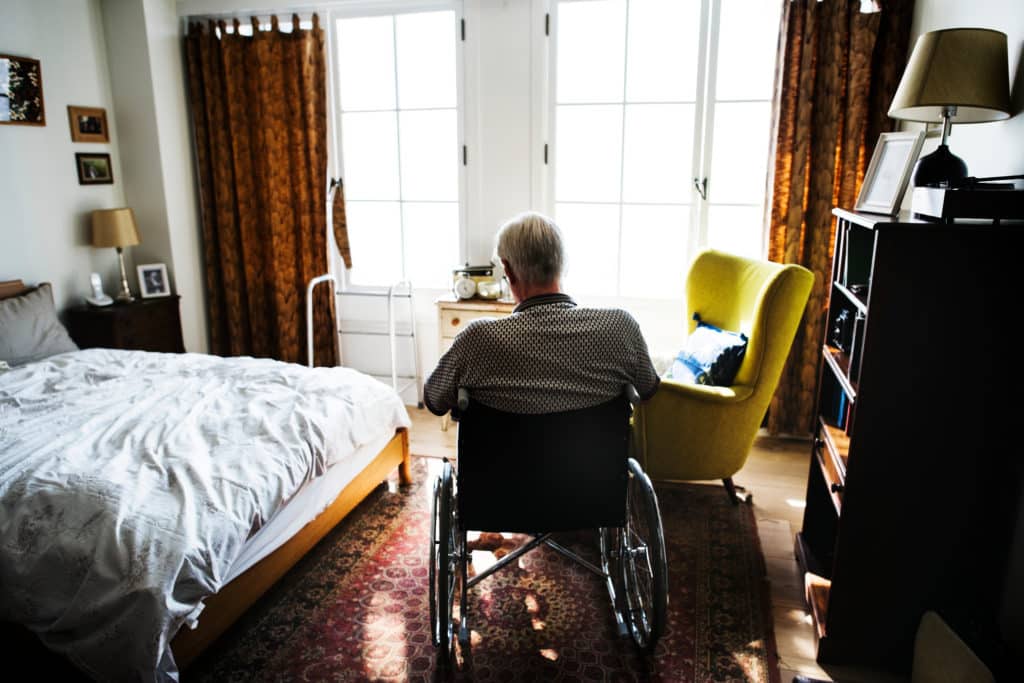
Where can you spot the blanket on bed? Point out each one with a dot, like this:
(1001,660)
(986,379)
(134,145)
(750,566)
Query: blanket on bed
(129,482)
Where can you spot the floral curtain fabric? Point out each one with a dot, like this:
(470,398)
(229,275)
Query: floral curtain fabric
(259,112)
(837,71)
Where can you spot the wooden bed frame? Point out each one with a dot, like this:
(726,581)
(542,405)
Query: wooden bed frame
(228,604)
(224,607)
(10,288)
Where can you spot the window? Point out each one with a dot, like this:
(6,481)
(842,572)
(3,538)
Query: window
(649,98)
(397,113)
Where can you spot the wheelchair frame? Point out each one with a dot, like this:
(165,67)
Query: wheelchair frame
(633,563)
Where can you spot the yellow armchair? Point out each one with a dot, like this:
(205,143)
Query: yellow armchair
(697,432)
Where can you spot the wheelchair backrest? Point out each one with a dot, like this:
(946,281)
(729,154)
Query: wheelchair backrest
(546,472)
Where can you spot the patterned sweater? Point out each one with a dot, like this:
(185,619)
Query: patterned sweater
(548,356)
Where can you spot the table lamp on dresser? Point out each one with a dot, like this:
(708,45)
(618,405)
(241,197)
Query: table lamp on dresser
(957,75)
(116,228)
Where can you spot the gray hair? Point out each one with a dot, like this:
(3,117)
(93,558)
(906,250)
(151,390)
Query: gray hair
(532,245)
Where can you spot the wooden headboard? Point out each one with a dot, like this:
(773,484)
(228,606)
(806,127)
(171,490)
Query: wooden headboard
(11,288)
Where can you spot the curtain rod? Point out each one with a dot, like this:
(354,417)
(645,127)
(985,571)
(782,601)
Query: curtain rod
(305,8)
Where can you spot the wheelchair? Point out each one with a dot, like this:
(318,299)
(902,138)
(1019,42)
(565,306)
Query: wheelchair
(537,475)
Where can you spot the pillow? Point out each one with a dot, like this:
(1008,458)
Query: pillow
(29,329)
(712,356)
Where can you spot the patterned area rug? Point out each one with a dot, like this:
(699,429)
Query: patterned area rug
(356,607)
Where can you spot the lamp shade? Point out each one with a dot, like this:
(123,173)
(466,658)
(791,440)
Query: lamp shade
(962,67)
(114,228)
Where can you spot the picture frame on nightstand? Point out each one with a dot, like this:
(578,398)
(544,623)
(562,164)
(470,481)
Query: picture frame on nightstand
(153,280)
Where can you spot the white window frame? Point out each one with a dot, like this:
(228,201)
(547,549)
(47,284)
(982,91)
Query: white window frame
(335,156)
(546,58)
(708,114)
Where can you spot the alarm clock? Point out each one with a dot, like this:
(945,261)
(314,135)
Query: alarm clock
(467,281)
(464,287)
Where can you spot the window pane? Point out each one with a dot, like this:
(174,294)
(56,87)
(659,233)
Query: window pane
(591,51)
(658,153)
(591,233)
(588,160)
(426,60)
(374,235)
(370,155)
(653,249)
(430,154)
(739,158)
(748,35)
(431,243)
(736,229)
(366,63)
(664,37)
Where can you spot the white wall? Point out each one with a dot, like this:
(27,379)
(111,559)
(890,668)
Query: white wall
(146,68)
(44,221)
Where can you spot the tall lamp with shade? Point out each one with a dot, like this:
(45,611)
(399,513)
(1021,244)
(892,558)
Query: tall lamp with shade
(116,228)
(957,75)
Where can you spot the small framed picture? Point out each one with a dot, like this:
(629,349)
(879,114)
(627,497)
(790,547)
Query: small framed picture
(887,175)
(94,169)
(153,280)
(21,91)
(88,124)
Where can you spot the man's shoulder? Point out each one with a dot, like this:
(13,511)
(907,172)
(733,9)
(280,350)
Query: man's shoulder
(481,328)
(611,315)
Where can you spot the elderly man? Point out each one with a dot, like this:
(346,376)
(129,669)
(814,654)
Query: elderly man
(550,355)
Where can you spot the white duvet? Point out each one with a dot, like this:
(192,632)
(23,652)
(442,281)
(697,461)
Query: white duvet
(129,482)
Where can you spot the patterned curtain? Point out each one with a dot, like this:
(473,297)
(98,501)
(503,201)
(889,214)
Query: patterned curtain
(838,69)
(259,111)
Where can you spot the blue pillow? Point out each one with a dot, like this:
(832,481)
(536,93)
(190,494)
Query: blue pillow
(712,356)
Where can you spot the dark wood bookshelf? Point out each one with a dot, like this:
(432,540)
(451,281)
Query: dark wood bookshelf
(912,492)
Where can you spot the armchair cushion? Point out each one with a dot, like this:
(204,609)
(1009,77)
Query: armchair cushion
(712,356)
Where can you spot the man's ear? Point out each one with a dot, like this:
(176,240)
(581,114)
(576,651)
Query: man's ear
(509,273)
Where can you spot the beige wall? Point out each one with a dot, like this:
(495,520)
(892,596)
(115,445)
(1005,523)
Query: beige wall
(44,212)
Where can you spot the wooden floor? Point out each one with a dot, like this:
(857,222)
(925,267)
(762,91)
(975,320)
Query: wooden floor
(776,474)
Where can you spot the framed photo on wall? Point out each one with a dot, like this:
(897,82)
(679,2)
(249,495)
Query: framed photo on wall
(94,169)
(88,124)
(887,175)
(153,280)
(21,91)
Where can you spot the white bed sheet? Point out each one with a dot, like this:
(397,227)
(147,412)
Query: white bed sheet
(312,499)
(130,482)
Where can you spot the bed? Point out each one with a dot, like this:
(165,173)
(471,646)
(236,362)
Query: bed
(147,499)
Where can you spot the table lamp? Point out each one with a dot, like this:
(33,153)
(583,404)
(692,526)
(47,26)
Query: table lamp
(956,75)
(116,228)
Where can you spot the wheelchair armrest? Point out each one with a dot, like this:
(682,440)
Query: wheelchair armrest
(631,395)
(463,399)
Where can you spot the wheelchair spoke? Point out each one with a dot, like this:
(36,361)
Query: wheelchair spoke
(643,561)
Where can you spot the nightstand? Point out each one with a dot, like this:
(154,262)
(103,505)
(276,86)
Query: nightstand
(454,314)
(145,325)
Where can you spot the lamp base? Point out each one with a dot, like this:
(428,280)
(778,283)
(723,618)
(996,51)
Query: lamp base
(125,295)
(941,168)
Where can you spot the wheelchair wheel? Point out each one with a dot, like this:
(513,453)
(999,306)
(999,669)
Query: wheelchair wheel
(443,561)
(644,567)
